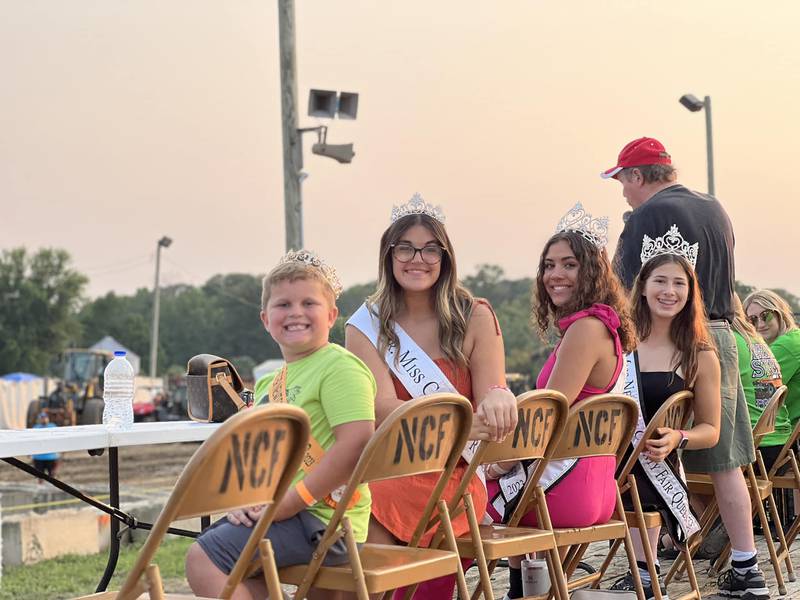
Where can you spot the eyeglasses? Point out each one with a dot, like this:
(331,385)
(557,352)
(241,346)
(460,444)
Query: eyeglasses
(765,316)
(406,252)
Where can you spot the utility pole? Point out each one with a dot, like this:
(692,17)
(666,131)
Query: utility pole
(709,145)
(164,242)
(292,141)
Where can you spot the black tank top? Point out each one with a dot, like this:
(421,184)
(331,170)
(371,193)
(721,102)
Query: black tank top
(657,386)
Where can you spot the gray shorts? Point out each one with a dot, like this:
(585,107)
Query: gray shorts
(735,446)
(293,542)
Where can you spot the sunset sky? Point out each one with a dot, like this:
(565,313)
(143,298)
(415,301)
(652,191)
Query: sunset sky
(122,121)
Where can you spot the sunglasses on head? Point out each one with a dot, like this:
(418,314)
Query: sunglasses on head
(765,316)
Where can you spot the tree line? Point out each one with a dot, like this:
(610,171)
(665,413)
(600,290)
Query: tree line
(43,311)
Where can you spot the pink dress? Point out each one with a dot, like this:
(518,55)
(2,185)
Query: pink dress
(586,495)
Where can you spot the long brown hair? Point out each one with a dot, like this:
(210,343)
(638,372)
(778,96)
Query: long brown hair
(452,301)
(742,326)
(596,284)
(688,329)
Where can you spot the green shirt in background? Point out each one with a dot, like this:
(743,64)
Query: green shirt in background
(786,349)
(761,376)
(333,387)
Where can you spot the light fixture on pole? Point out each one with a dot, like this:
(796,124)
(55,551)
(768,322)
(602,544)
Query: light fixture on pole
(693,104)
(164,242)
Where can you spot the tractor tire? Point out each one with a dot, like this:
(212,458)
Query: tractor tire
(92,412)
(34,408)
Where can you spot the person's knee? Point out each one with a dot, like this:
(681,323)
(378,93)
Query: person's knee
(202,574)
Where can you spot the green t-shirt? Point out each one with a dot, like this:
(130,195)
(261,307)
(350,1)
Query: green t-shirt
(786,349)
(333,387)
(761,376)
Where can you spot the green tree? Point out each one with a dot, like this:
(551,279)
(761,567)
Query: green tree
(39,296)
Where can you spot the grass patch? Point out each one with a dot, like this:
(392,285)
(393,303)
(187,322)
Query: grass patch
(73,575)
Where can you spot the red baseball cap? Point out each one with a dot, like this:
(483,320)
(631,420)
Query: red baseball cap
(639,152)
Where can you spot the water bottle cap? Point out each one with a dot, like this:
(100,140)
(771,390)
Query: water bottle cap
(119,353)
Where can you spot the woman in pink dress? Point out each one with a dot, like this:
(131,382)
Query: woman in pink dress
(577,292)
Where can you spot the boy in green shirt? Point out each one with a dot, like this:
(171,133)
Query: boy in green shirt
(337,391)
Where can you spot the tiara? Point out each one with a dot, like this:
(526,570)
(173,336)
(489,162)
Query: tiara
(417,206)
(578,220)
(309,258)
(671,242)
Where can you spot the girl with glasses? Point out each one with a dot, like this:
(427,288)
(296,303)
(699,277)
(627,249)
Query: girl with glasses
(422,332)
(773,320)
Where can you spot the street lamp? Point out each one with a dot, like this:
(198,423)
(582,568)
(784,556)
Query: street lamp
(164,242)
(693,104)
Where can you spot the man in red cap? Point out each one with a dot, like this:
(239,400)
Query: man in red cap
(658,202)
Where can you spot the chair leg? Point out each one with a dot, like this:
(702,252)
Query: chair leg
(156,586)
(270,569)
(776,565)
(645,539)
(783,550)
(706,523)
(355,561)
(637,581)
(480,556)
(609,557)
(461,582)
(558,581)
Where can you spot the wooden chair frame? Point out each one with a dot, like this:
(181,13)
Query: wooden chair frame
(499,540)
(260,449)
(401,565)
(675,414)
(577,443)
(787,462)
(760,487)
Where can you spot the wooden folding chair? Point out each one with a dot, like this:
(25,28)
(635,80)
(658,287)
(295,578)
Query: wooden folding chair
(601,425)
(425,435)
(542,417)
(674,413)
(760,488)
(250,460)
(785,475)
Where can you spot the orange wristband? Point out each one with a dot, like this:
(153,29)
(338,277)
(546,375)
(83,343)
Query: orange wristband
(304,494)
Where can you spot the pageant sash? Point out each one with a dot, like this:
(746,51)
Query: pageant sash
(417,371)
(669,485)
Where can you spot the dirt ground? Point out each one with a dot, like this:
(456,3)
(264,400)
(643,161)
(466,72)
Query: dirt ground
(139,466)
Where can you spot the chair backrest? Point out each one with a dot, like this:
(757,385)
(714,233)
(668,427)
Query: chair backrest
(424,435)
(766,422)
(674,413)
(251,459)
(600,425)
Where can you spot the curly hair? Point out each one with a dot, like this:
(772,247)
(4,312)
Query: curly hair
(597,284)
(688,330)
(453,302)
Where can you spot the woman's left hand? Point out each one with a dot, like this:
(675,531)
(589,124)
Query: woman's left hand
(659,448)
(498,411)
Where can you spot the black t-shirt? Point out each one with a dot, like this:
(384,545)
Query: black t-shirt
(700,218)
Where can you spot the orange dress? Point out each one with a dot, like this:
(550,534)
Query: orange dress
(398,503)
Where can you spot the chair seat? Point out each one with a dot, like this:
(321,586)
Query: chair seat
(145,596)
(500,540)
(785,482)
(699,483)
(385,568)
(614,529)
(651,519)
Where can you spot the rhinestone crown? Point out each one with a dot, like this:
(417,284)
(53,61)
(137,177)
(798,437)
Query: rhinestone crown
(671,242)
(417,206)
(309,258)
(578,220)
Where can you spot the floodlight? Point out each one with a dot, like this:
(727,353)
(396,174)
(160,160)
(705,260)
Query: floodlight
(691,102)
(322,103)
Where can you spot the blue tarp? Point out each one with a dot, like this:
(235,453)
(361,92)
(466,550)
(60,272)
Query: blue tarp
(20,377)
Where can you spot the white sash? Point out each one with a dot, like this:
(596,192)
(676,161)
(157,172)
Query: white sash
(670,485)
(417,371)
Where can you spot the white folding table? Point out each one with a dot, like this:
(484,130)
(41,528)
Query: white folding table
(96,439)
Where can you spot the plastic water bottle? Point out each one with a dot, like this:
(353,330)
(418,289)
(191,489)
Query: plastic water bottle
(118,393)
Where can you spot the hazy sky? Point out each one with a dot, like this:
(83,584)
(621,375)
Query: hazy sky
(122,121)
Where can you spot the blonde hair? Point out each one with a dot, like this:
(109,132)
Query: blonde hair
(769,300)
(292,271)
(452,301)
(741,325)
